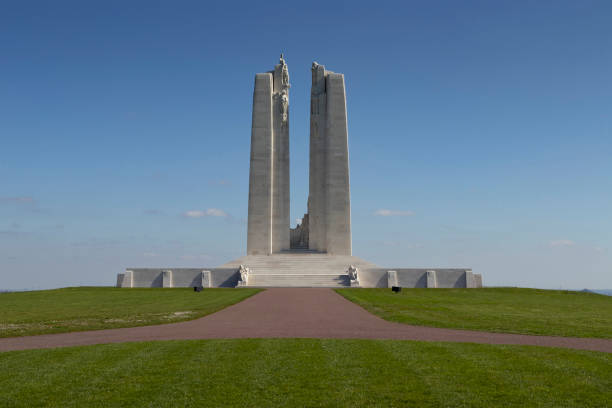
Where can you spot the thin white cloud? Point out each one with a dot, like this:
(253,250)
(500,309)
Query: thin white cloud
(215,212)
(17,200)
(561,243)
(12,233)
(392,213)
(95,242)
(210,212)
(150,254)
(24,203)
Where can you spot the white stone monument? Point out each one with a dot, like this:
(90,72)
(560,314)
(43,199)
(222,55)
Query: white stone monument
(318,251)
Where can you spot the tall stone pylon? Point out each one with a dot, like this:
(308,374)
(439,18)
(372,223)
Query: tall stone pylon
(329,199)
(268,222)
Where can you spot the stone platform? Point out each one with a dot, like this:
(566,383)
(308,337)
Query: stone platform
(299,269)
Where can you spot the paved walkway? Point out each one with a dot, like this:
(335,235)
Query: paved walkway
(292,312)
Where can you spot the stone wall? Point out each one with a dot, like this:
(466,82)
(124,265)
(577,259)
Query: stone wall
(418,278)
(228,278)
(452,278)
(178,277)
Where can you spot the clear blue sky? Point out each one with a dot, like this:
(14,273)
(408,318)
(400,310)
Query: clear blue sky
(484,128)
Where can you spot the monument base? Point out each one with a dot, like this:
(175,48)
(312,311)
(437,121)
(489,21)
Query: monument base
(299,269)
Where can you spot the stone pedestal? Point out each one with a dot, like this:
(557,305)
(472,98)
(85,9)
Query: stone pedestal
(206,281)
(391,279)
(126,279)
(167,279)
(477,280)
(432,279)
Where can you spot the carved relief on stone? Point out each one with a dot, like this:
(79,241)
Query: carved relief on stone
(285,77)
(283,95)
(284,105)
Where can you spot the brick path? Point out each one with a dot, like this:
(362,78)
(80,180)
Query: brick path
(293,312)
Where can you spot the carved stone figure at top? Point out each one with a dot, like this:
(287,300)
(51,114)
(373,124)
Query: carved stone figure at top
(285,77)
(284,72)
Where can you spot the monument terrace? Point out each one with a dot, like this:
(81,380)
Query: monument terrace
(318,252)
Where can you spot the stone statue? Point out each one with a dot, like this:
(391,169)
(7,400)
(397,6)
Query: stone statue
(285,77)
(244,274)
(284,72)
(284,105)
(353,273)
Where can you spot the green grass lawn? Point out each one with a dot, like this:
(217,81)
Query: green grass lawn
(508,310)
(92,308)
(305,372)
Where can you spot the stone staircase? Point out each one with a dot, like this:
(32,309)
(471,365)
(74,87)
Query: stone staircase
(297,280)
(298,268)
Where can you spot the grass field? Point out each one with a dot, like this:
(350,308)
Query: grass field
(92,308)
(305,372)
(508,310)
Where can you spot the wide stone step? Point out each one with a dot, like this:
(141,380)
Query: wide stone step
(297,280)
(305,268)
(312,268)
(295,262)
